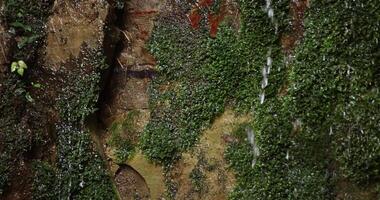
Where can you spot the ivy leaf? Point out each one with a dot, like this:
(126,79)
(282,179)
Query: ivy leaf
(28,97)
(22,43)
(36,85)
(14,66)
(20,71)
(22,64)
(20,25)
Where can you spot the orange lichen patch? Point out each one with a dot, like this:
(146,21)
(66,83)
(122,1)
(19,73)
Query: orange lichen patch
(205,3)
(195,18)
(214,20)
(297,12)
(288,42)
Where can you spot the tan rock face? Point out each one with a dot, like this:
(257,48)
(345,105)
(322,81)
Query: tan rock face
(72,24)
(151,173)
(203,173)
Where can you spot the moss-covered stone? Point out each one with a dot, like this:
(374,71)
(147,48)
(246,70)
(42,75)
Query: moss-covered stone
(317,123)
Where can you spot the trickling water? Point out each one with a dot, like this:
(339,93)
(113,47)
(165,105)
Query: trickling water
(287,155)
(348,70)
(81,184)
(270,13)
(269,63)
(255,148)
(262,97)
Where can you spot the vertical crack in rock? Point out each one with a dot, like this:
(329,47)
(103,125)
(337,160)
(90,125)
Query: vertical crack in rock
(134,67)
(124,99)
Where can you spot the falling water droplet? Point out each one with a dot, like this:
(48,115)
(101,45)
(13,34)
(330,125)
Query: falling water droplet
(269,61)
(270,13)
(287,155)
(262,98)
(264,82)
(81,184)
(255,148)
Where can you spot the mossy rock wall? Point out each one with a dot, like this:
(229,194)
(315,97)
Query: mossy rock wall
(300,77)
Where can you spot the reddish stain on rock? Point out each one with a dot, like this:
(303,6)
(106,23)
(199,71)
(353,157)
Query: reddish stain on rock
(214,21)
(143,13)
(195,18)
(297,12)
(205,3)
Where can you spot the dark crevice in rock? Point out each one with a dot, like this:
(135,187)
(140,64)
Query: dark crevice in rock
(113,45)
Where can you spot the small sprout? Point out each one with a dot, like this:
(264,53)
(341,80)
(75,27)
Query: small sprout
(20,66)
(36,85)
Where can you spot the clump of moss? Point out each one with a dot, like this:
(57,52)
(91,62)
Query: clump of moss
(319,108)
(80,171)
(121,137)
(27,21)
(197,90)
(13,141)
(45,182)
(343,60)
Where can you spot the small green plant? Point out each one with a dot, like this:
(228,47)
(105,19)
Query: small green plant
(19,67)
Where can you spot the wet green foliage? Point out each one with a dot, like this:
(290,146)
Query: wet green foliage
(343,59)
(80,85)
(44,182)
(318,124)
(27,19)
(196,91)
(80,172)
(13,142)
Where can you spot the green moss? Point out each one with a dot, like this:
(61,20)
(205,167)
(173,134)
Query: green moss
(13,140)
(198,179)
(119,139)
(27,19)
(45,182)
(342,59)
(327,115)
(80,171)
(80,90)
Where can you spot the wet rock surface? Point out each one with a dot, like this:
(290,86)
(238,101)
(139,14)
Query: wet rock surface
(73,24)
(203,172)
